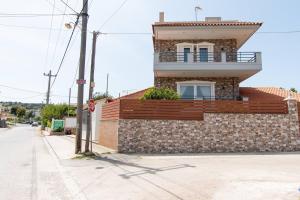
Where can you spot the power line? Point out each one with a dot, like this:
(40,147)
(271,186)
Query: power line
(49,37)
(113,14)
(278,32)
(20,89)
(65,53)
(58,37)
(66,4)
(30,27)
(7,15)
(31,91)
(70,39)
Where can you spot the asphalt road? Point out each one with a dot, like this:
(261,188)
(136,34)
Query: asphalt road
(27,170)
(33,166)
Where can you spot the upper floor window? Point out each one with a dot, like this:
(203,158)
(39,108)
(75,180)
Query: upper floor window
(205,52)
(185,52)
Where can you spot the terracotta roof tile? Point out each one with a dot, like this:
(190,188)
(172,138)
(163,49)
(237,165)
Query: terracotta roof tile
(267,93)
(203,23)
(135,95)
(259,93)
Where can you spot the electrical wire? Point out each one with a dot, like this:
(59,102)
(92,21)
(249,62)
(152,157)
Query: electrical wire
(278,32)
(66,4)
(20,89)
(58,37)
(30,91)
(70,39)
(113,14)
(7,15)
(49,37)
(30,27)
(65,53)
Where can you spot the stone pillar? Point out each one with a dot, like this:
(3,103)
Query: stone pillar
(292,107)
(294,121)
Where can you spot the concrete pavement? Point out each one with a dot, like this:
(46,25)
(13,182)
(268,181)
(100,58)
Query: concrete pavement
(118,176)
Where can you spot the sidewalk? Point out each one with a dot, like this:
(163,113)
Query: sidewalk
(64,146)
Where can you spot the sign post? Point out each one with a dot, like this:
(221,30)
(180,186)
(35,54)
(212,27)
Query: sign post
(91,105)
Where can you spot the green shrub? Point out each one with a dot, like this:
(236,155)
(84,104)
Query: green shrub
(58,111)
(161,94)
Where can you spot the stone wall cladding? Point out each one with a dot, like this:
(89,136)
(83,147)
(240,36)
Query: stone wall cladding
(224,88)
(217,133)
(228,45)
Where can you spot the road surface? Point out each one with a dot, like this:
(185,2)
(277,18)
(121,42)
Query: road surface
(33,166)
(27,170)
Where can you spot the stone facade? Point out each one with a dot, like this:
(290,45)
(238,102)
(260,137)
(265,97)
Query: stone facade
(224,87)
(217,133)
(228,45)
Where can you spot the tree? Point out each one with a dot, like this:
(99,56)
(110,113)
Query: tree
(99,96)
(21,111)
(59,111)
(13,110)
(293,90)
(29,114)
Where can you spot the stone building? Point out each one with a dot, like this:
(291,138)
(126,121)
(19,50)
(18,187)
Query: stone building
(202,62)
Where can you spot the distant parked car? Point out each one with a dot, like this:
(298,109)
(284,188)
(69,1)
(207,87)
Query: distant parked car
(34,124)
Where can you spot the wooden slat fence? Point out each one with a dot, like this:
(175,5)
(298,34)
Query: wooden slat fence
(166,109)
(251,107)
(186,109)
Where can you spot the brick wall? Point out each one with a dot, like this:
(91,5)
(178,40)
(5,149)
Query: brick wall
(217,133)
(108,135)
(224,87)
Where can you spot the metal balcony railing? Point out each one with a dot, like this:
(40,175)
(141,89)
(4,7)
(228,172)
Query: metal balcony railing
(240,57)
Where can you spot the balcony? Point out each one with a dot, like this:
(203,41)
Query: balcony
(207,64)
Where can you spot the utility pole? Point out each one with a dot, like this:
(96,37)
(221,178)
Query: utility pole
(49,85)
(92,85)
(107,76)
(81,81)
(70,91)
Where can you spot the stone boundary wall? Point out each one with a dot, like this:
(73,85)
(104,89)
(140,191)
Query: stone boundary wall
(217,133)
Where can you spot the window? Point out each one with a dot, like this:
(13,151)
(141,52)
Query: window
(187,92)
(183,52)
(205,52)
(186,52)
(196,90)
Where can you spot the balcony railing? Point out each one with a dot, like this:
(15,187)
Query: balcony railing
(239,57)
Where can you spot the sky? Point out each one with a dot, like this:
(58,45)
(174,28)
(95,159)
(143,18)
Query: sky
(29,47)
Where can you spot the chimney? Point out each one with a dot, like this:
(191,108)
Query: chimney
(213,19)
(161,17)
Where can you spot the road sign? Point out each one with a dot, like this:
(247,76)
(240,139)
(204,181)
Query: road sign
(81,81)
(91,105)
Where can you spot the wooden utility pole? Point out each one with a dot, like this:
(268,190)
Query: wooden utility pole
(49,85)
(107,76)
(70,91)
(81,80)
(91,89)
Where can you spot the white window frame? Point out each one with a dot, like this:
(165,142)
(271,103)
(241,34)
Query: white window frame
(195,84)
(180,49)
(210,49)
